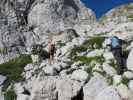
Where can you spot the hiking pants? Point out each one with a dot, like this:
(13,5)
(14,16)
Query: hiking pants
(118,54)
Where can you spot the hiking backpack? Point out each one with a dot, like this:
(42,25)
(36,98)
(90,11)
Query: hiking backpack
(115,42)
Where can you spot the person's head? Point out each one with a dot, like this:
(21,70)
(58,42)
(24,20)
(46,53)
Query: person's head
(50,40)
(118,32)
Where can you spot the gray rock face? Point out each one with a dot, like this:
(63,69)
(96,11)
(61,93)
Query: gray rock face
(13,40)
(45,90)
(51,17)
(94,87)
(69,90)
(109,93)
(56,89)
(80,75)
(2,79)
(130,61)
(66,35)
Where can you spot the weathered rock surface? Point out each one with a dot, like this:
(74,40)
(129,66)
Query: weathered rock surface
(124,92)
(80,75)
(52,17)
(130,61)
(56,88)
(94,87)
(109,93)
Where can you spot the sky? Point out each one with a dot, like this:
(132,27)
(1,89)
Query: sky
(100,7)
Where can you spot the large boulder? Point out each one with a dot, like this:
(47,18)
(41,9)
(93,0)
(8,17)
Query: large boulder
(2,79)
(69,90)
(22,97)
(44,90)
(13,39)
(128,74)
(130,61)
(55,88)
(66,36)
(109,69)
(130,85)
(109,93)
(124,92)
(51,17)
(117,79)
(94,87)
(80,75)
(50,70)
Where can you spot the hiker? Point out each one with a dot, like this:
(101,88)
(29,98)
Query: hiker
(52,50)
(117,42)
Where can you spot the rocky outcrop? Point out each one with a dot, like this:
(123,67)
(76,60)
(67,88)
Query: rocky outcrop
(14,38)
(130,61)
(56,89)
(84,68)
(109,93)
(52,17)
(2,79)
(94,87)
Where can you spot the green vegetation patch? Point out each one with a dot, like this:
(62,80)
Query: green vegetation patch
(91,44)
(112,63)
(61,44)
(130,16)
(10,94)
(87,60)
(125,81)
(94,42)
(13,69)
(109,79)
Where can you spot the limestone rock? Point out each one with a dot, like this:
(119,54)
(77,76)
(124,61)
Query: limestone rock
(28,67)
(130,61)
(35,58)
(50,70)
(68,90)
(2,79)
(124,92)
(94,87)
(80,75)
(45,90)
(117,79)
(109,69)
(128,74)
(108,55)
(108,93)
(53,88)
(22,97)
(51,17)
(18,88)
(130,85)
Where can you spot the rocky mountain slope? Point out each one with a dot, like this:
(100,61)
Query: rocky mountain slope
(84,68)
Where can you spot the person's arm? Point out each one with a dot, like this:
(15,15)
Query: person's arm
(123,42)
(49,48)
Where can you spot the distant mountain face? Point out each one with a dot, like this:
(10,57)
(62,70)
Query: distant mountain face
(118,15)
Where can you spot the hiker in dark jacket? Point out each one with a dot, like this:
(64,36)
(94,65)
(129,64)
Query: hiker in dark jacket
(116,48)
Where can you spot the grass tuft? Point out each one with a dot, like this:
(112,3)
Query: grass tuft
(13,69)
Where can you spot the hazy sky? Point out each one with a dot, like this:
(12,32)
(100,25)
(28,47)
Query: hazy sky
(100,7)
